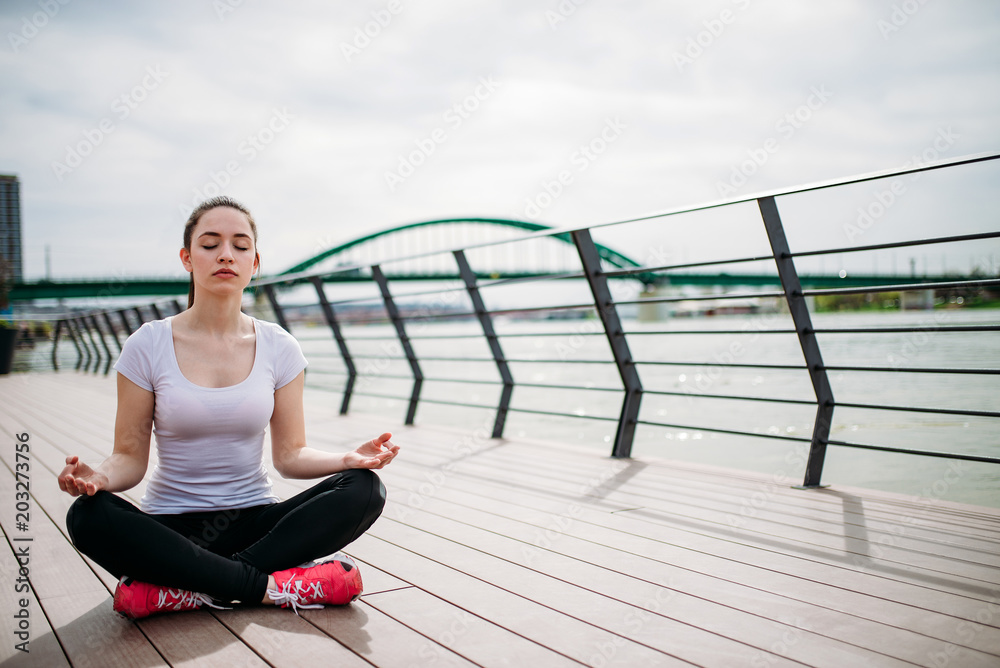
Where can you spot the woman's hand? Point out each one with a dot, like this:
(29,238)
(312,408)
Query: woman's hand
(78,478)
(374,454)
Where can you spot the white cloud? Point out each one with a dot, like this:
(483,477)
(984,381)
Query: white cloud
(323,177)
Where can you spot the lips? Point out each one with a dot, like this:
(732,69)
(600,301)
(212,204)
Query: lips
(225,272)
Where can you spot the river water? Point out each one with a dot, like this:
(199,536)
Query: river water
(575,354)
(583,355)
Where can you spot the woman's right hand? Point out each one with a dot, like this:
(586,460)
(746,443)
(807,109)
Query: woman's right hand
(78,478)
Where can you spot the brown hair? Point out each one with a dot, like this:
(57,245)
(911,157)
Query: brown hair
(196,215)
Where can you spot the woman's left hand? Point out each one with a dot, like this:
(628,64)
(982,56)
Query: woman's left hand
(374,454)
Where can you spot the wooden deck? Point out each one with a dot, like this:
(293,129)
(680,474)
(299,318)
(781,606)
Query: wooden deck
(511,553)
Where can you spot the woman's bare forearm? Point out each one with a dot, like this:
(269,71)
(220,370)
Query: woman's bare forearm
(306,463)
(303,462)
(123,471)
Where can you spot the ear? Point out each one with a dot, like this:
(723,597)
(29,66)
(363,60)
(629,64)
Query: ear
(256,262)
(186,260)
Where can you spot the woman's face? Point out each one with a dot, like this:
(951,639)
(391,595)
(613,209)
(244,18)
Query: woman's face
(223,256)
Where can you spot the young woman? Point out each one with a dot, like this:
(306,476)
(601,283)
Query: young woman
(208,382)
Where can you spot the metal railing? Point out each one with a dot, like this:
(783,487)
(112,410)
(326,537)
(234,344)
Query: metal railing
(93,334)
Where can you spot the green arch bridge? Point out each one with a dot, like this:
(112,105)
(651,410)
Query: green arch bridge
(297,274)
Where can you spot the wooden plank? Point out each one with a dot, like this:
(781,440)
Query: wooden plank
(687,529)
(740,508)
(188,639)
(547,627)
(519,616)
(279,636)
(39,646)
(770,520)
(74,600)
(800,619)
(52,500)
(472,637)
(196,639)
(793,583)
(839,506)
(380,639)
(654,584)
(525,602)
(182,638)
(957,576)
(61,427)
(662,474)
(805,581)
(284,639)
(377,580)
(565,457)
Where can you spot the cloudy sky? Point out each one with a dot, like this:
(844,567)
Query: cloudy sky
(335,119)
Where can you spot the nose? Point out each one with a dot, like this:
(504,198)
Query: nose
(226,254)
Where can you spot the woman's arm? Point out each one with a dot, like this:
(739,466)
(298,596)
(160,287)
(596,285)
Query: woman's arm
(293,459)
(127,464)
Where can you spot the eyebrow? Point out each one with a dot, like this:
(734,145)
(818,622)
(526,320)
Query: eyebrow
(216,234)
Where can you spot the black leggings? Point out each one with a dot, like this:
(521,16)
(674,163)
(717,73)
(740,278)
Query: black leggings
(226,554)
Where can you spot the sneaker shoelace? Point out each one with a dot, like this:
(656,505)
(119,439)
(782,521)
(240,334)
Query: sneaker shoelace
(184,600)
(291,593)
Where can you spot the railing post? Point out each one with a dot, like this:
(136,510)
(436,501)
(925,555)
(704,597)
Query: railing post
(404,340)
(491,338)
(331,320)
(125,323)
(177,306)
(55,345)
(807,340)
(111,327)
(156,311)
(104,343)
(279,313)
(81,324)
(70,327)
(138,315)
(627,421)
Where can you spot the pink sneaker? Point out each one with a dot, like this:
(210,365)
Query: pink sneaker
(333,582)
(135,600)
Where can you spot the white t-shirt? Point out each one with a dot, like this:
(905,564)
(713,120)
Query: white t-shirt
(209,440)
